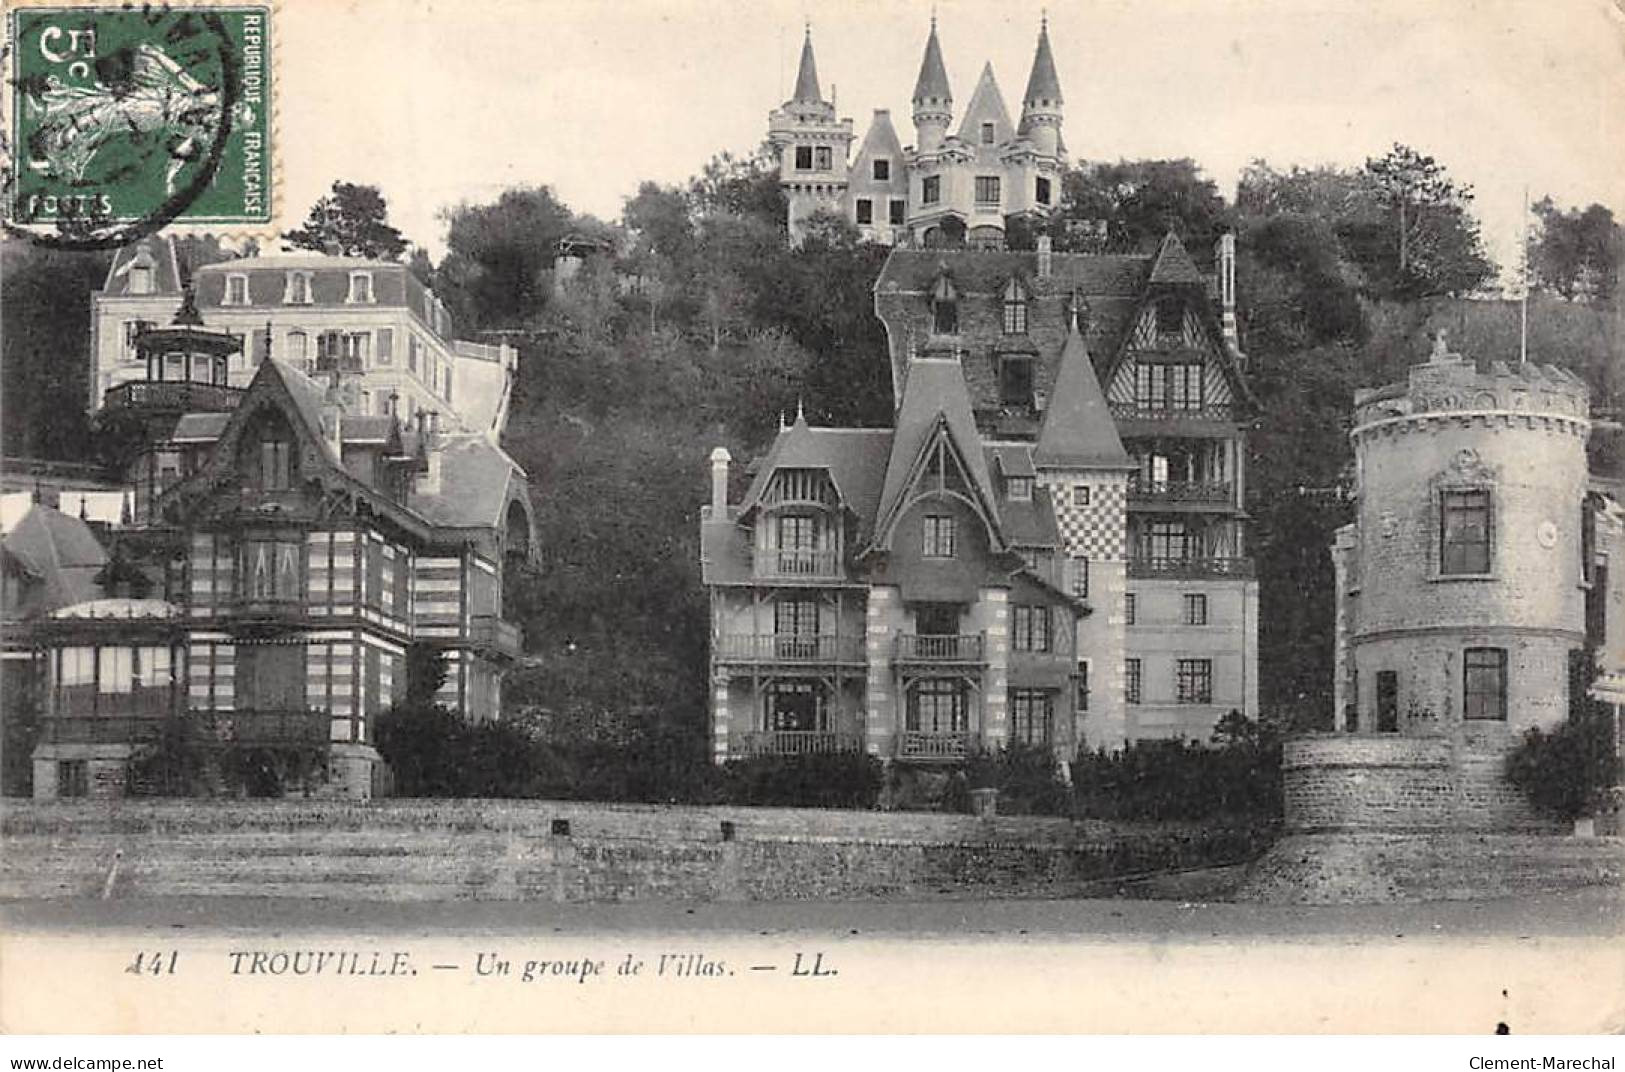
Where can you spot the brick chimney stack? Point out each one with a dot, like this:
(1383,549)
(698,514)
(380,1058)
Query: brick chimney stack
(719,481)
(1225,259)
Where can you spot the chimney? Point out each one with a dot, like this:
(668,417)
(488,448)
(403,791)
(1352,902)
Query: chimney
(719,482)
(1046,257)
(1225,257)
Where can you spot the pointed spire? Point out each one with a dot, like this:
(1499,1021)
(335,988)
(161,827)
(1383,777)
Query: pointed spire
(1173,264)
(933,81)
(1043,84)
(807,90)
(801,414)
(1078,430)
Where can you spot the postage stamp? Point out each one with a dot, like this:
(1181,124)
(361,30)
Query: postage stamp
(127,119)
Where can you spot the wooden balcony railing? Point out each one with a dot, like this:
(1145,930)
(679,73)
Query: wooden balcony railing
(923,744)
(789,648)
(1134,411)
(797,565)
(797,742)
(182,396)
(1180,492)
(1195,568)
(247,727)
(964,648)
(493,633)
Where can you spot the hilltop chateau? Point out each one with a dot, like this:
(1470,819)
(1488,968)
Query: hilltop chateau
(953,185)
(313,483)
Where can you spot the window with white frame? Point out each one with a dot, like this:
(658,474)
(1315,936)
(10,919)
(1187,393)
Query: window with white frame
(361,287)
(236,289)
(938,538)
(1194,680)
(297,289)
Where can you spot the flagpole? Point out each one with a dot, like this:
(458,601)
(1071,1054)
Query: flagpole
(1523,305)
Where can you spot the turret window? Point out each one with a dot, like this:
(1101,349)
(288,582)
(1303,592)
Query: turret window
(882,170)
(1043,191)
(931,189)
(823,159)
(1484,684)
(804,158)
(987,133)
(1464,532)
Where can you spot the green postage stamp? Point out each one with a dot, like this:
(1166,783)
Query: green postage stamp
(123,120)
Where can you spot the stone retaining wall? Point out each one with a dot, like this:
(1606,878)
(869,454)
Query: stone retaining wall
(537,850)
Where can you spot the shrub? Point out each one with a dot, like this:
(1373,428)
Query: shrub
(835,780)
(1239,776)
(1561,771)
(1027,777)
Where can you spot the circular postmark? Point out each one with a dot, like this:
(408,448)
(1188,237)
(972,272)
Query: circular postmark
(121,118)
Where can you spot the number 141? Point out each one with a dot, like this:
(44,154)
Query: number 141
(153,963)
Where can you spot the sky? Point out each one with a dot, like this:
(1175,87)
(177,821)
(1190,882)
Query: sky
(444,101)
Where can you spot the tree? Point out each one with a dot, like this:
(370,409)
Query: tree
(741,186)
(1138,201)
(47,322)
(498,255)
(352,220)
(1576,254)
(1429,227)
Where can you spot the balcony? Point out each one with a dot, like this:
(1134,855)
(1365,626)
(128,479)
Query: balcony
(1198,568)
(1180,494)
(243,728)
(267,610)
(797,565)
(948,648)
(339,362)
(936,746)
(788,648)
(494,634)
(797,743)
(178,397)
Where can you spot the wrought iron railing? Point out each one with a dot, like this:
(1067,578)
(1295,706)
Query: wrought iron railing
(789,647)
(924,744)
(948,648)
(1197,567)
(1181,492)
(797,564)
(182,395)
(797,742)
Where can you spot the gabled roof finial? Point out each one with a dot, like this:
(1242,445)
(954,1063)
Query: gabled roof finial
(801,414)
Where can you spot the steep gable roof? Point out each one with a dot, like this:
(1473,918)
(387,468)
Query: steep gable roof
(155,251)
(987,106)
(477,480)
(1078,430)
(58,551)
(933,80)
(1043,83)
(880,140)
(854,458)
(934,398)
(807,74)
(1173,266)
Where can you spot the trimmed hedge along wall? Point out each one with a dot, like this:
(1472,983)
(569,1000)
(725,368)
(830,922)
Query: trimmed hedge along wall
(486,850)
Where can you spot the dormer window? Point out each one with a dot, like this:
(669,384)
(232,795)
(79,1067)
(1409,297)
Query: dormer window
(1016,380)
(1170,317)
(361,287)
(1019,488)
(945,308)
(297,289)
(882,170)
(140,278)
(236,289)
(1015,309)
(987,133)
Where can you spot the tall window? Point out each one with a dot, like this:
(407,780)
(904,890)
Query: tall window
(271,569)
(938,541)
(386,346)
(297,291)
(1015,309)
(1195,609)
(76,681)
(1080,577)
(937,705)
(1083,686)
(1387,701)
(822,158)
(898,214)
(1032,628)
(1016,380)
(1030,713)
(945,308)
(866,210)
(1175,386)
(1464,532)
(1129,608)
(987,189)
(299,348)
(361,286)
(987,134)
(795,617)
(931,189)
(804,158)
(1043,191)
(1484,684)
(1167,541)
(275,470)
(882,170)
(1194,678)
(236,290)
(798,532)
(1131,681)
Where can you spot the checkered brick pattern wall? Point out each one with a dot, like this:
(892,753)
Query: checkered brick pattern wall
(1097,530)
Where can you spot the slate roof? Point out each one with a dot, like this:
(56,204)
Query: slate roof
(855,459)
(475,477)
(880,140)
(1173,265)
(199,427)
(986,106)
(1078,429)
(807,74)
(159,250)
(933,395)
(60,552)
(978,272)
(1043,83)
(933,79)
